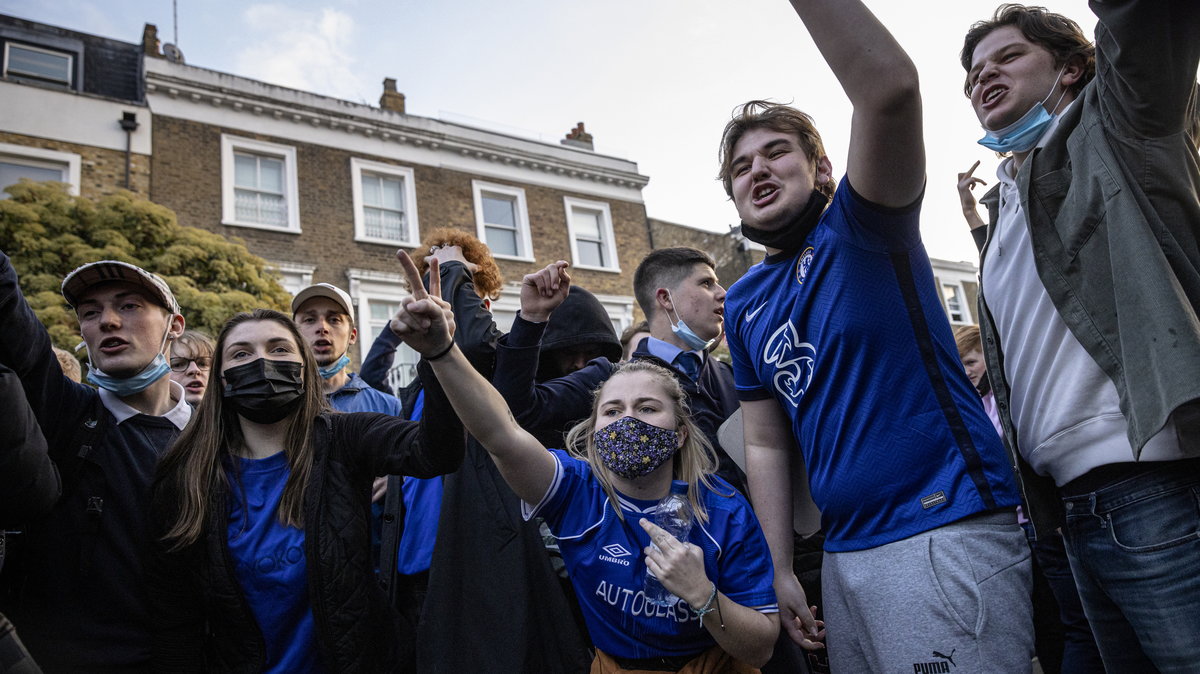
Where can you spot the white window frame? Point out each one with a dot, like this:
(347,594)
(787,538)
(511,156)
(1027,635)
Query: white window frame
(367,286)
(38,158)
(70,83)
(232,144)
(360,166)
(294,276)
(962,297)
(607,240)
(524,242)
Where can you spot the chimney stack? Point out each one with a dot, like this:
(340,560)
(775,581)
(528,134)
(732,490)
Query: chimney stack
(577,137)
(150,46)
(391,99)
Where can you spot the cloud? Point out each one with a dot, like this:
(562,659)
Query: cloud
(302,49)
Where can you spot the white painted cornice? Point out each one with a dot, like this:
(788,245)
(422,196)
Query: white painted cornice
(212,97)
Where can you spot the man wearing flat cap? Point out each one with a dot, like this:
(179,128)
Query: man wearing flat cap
(75,590)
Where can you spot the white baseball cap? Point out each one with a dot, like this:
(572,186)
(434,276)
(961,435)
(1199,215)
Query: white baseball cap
(107,271)
(341,297)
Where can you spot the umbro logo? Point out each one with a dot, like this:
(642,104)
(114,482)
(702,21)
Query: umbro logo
(616,550)
(615,553)
(751,314)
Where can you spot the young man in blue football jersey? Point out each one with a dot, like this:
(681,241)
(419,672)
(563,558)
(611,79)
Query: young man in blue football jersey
(841,347)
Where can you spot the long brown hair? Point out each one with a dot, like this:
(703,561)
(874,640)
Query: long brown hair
(695,461)
(189,470)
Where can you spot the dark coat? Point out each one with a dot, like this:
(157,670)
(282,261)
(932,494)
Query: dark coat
(1114,221)
(201,620)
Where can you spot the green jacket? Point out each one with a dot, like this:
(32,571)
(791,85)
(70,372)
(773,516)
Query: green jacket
(1114,216)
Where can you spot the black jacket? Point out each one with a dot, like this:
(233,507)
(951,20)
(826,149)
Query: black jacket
(76,589)
(201,620)
(494,601)
(29,483)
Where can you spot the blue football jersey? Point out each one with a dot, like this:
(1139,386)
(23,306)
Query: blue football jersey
(604,557)
(849,336)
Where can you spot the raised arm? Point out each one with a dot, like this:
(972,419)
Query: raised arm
(29,482)
(426,323)
(550,406)
(886,160)
(769,449)
(1147,52)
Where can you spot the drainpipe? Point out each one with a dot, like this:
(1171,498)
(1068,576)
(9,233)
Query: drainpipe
(129,124)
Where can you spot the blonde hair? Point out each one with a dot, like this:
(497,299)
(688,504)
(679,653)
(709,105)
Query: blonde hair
(695,461)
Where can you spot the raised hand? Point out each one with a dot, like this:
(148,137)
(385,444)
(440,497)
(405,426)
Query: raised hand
(543,291)
(446,253)
(966,183)
(424,321)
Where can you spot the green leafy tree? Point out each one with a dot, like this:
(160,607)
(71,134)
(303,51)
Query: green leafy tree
(47,233)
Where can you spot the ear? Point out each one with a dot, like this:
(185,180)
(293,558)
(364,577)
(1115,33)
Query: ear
(663,297)
(824,170)
(177,326)
(1072,72)
(682,435)
(353,335)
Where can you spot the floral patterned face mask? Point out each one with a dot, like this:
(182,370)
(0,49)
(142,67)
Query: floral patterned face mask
(632,448)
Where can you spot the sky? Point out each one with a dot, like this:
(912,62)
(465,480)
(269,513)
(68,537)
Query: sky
(654,81)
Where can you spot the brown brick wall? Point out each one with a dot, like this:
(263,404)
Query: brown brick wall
(187,178)
(101,171)
(732,261)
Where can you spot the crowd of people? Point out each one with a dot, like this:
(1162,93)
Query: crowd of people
(247,503)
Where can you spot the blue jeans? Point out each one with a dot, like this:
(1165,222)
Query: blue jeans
(1134,547)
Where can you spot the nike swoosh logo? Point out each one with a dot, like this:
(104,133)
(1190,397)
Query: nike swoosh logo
(751,314)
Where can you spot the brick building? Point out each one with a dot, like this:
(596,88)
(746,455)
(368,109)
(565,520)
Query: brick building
(327,190)
(72,110)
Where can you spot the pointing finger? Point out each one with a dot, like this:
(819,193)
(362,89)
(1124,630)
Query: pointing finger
(435,278)
(414,277)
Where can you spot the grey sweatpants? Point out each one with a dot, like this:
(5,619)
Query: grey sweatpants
(954,599)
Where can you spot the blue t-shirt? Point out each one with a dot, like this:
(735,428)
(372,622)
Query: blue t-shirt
(604,557)
(270,564)
(422,508)
(849,335)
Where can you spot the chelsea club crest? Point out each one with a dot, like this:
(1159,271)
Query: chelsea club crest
(803,264)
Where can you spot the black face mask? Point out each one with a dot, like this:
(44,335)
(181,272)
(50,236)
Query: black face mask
(264,391)
(791,236)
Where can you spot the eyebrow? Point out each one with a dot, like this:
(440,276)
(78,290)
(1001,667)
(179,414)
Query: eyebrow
(996,53)
(273,340)
(617,401)
(744,157)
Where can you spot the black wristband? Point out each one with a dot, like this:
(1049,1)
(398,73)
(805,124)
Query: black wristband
(442,353)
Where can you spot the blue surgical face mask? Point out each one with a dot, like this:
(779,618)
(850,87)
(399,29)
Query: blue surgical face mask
(685,334)
(127,386)
(1023,134)
(336,367)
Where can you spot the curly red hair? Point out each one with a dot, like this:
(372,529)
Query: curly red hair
(487,278)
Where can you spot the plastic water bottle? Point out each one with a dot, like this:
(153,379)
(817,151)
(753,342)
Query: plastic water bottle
(674,515)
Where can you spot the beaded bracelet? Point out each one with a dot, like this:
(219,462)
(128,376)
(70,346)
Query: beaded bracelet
(709,608)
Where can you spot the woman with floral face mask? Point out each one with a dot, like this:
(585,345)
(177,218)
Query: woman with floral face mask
(597,498)
(261,546)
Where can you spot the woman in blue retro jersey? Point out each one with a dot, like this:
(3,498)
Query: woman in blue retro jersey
(597,496)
